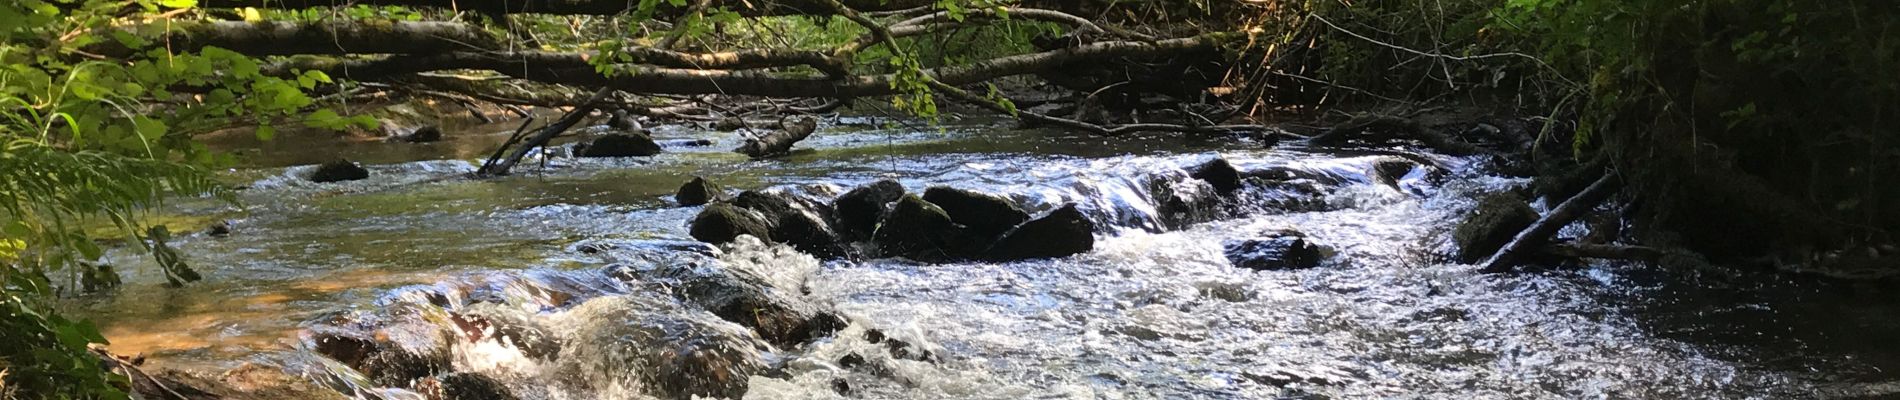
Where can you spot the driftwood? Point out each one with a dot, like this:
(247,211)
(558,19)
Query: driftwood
(779,142)
(1387,127)
(1539,233)
(543,136)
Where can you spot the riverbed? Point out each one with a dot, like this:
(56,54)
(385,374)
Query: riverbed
(1152,312)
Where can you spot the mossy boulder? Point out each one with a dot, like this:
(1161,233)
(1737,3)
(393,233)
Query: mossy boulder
(699,191)
(860,209)
(804,223)
(720,223)
(1218,172)
(1498,218)
(916,229)
(1060,233)
(983,214)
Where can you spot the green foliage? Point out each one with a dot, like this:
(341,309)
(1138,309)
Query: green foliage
(85,138)
(1774,112)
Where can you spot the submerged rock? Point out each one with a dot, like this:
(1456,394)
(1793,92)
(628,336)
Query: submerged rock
(984,214)
(915,229)
(651,346)
(467,386)
(801,222)
(720,223)
(1180,204)
(1220,173)
(1060,233)
(1388,171)
(632,144)
(860,209)
(338,171)
(382,362)
(1498,219)
(425,134)
(699,191)
(1281,251)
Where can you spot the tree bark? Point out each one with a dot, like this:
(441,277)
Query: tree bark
(572,70)
(277,38)
(665,10)
(779,142)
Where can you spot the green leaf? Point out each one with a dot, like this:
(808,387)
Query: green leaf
(266,133)
(178,3)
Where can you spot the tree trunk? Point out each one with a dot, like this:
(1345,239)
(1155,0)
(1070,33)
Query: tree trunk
(779,142)
(276,38)
(1539,233)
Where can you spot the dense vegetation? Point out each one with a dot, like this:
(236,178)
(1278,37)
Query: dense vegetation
(1737,123)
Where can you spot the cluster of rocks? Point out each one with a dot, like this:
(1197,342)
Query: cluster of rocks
(686,326)
(882,220)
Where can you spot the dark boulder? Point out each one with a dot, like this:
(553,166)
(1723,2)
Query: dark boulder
(401,368)
(899,348)
(1389,171)
(219,229)
(1179,204)
(720,223)
(777,314)
(984,214)
(631,144)
(860,209)
(1280,251)
(917,230)
(338,171)
(1060,233)
(699,191)
(1498,219)
(425,134)
(468,386)
(1218,172)
(798,221)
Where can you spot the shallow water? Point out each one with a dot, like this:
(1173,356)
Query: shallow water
(1152,312)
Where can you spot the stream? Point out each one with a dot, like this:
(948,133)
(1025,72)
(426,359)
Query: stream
(1152,312)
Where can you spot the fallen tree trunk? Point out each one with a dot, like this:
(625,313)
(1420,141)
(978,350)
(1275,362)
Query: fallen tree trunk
(276,38)
(570,70)
(522,61)
(664,9)
(1539,233)
(1604,251)
(779,142)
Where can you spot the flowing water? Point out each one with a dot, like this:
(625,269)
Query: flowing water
(1152,312)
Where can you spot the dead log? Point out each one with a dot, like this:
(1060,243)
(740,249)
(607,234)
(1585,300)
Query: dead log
(665,10)
(506,61)
(546,134)
(1604,251)
(779,142)
(651,79)
(273,38)
(1539,233)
